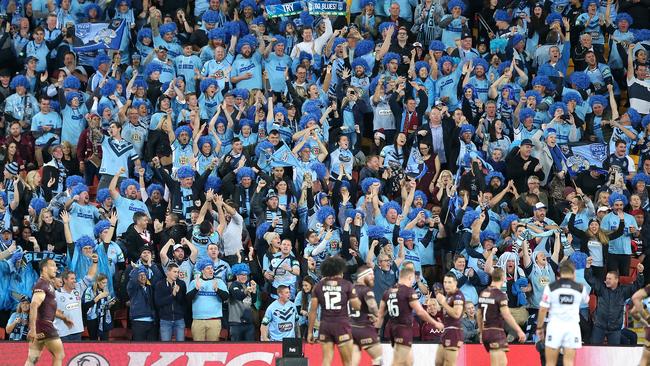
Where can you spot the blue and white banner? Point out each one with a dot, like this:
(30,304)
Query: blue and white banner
(327,7)
(99,36)
(283,157)
(580,157)
(415,166)
(281,10)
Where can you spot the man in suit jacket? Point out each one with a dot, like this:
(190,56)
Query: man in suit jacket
(439,133)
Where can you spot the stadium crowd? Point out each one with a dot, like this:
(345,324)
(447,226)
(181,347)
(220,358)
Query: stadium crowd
(198,175)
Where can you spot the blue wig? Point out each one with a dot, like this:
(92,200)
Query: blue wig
(376,232)
(390,56)
(167,28)
(319,168)
(598,99)
(543,81)
(469,217)
(245,172)
(635,117)
(73,180)
(641,35)
(185,172)
(247,40)
(306,119)
(79,189)
(572,96)
(85,241)
(509,219)
(407,234)
(240,269)
(181,129)
(102,195)
(352,213)
(413,213)
(534,93)
(586,3)
(421,64)
(71,95)
(456,3)
(100,60)
(615,197)
(580,79)
(19,80)
(91,6)
(645,121)
(367,182)
(71,82)
(436,45)
(203,263)
(501,15)
(210,16)
(213,183)
(306,20)
(325,212)
(479,61)
(109,87)
(641,177)
(155,187)
(421,195)
(553,17)
(205,140)
(555,106)
(144,33)
(337,42)
(384,27)
(206,83)
(579,259)
(392,205)
(128,182)
(443,60)
(152,67)
(365,3)
(101,226)
(488,235)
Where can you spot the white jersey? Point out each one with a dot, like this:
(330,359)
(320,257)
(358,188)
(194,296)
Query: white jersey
(70,304)
(563,299)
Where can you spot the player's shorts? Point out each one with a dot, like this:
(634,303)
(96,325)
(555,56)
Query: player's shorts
(495,339)
(334,332)
(563,334)
(401,334)
(452,337)
(364,337)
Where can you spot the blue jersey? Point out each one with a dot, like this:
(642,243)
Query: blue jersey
(216,69)
(207,304)
(201,241)
(40,51)
(243,65)
(275,66)
(622,244)
(281,320)
(168,73)
(173,48)
(82,220)
(136,135)
(183,154)
(446,87)
(51,120)
(126,207)
(73,123)
(116,154)
(185,66)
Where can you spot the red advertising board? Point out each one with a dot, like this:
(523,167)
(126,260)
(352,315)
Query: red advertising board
(265,354)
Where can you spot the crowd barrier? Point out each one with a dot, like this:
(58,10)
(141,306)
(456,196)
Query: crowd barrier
(265,354)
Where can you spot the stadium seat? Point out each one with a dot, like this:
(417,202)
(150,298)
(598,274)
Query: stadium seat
(626,280)
(593,301)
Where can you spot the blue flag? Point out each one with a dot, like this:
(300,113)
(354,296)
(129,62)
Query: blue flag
(415,166)
(99,36)
(283,157)
(580,157)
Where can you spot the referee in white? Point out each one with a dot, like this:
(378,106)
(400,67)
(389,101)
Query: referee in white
(562,300)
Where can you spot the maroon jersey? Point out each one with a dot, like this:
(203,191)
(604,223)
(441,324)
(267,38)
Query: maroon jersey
(359,317)
(453,299)
(333,295)
(491,300)
(46,312)
(398,303)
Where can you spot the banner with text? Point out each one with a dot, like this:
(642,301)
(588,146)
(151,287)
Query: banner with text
(99,36)
(282,10)
(327,7)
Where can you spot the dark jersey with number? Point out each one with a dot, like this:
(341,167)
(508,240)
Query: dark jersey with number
(491,300)
(46,312)
(360,317)
(398,304)
(453,299)
(333,295)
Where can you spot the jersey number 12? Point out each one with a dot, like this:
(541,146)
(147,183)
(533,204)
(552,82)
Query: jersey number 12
(332,301)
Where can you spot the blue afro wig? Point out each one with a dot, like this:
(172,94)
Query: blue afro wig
(319,168)
(73,180)
(245,172)
(280,40)
(572,96)
(480,62)
(413,213)
(100,60)
(185,172)
(456,3)
(436,45)
(376,232)
(128,182)
(501,15)
(384,27)
(407,234)
(204,263)
(152,67)
(262,148)
(488,235)
(247,40)
(337,42)
(71,82)
(641,177)
(79,189)
(645,121)
(509,219)
(240,269)
(19,80)
(71,95)
(421,64)
(205,140)
(580,79)
(37,204)
(390,56)
(214,183)
(352,213)
(641,35)
(534,93)
(392,205)
(155,187)
(85,241)
(168,28)
(181,129)
(615,197)
(248,4)
(598,99)
(210,16)
(635,117)
(144,33)
(306,119)
(325,212)
(101,226)
(553,17)
(109,88)
(421,195)
(365,3)
(469,217)
(367,182)
(543,81)
(102,195)
(443,60)
(555,106)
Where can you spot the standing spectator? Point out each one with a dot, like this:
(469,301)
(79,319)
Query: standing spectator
(469,324)
(279,321)
(620,249)
(522,165)
(97,307)
(18,323)
(612,297)
(142,312)
(171,305)
(243,295)
(207,294)
(69,300)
